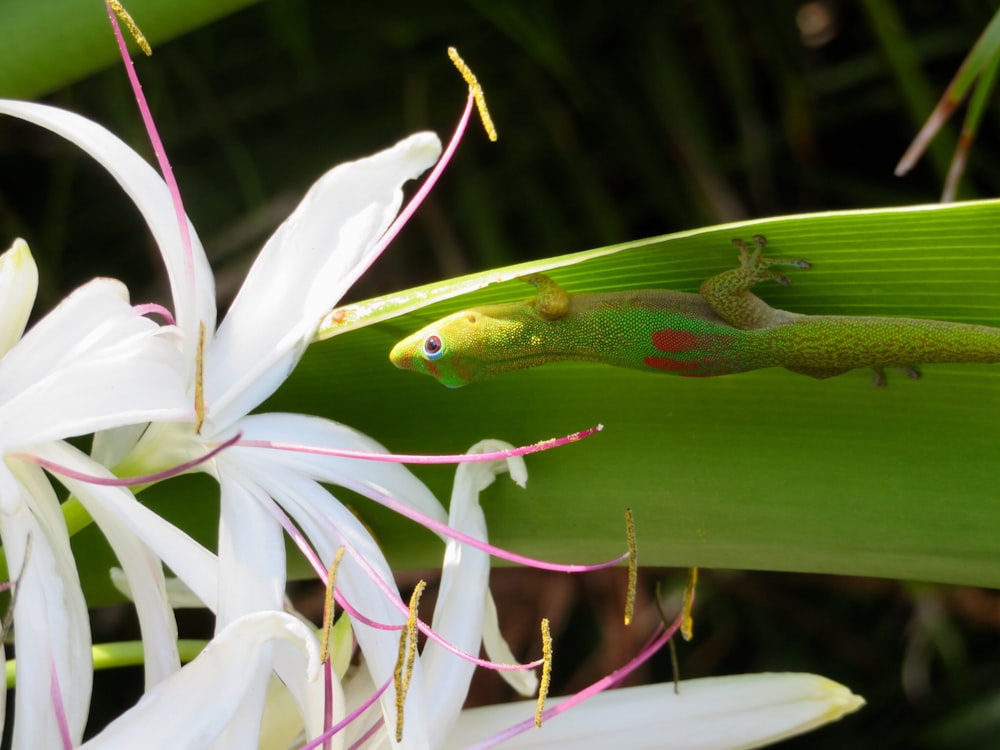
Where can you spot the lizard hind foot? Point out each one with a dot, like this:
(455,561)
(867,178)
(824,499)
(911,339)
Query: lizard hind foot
(879,379)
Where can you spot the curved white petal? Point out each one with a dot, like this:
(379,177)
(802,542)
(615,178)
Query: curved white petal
(739,711)
(89,364)
(141,566)
(459,612)
(220,694)
(144,573)
(191,282)
(189,560)
(51,631)
(524,681)
(18,286)
(329,525)
(288,701)
(91,317)
(251,550)
(303,270)
(111,446)
(367,478)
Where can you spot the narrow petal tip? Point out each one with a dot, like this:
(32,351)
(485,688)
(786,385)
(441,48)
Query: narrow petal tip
(18,252)
(422,148)
(840,698)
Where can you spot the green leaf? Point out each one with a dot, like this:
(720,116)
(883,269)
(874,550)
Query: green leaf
(49,45)
(765,470)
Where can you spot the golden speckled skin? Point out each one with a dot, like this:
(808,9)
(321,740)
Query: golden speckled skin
(723,330)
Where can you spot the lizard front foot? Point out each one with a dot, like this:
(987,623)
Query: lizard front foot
(754,268)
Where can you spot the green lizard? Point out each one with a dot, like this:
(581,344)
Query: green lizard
(724,329)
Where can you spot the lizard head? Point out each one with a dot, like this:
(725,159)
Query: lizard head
(459,349)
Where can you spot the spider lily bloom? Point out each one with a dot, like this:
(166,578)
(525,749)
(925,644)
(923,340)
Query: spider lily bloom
(92,363)
(175,713)
(301,273)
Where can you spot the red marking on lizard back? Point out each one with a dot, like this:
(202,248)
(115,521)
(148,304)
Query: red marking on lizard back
(672,340)
(688,369)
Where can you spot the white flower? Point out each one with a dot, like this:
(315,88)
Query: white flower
(92,363)
(741,711)
(218,699)
(301,273)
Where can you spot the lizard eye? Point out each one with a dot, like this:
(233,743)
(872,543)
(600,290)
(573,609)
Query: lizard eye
(433,346)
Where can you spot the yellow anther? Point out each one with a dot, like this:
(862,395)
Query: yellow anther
(328,605)
(633,568)
(412,632)
(199,381)
(131,25)
(477,92)
(397,682)
(543,687)
(406,657)
(687,621)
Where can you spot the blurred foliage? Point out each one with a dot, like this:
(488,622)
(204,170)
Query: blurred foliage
(49,45)
(617,121)
(614,125)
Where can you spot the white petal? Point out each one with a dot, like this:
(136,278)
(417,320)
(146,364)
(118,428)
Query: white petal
(192,283)
(110,447)
(458,614)
(144,573)
(303,271)
(524,681)
(367,478)
(251,550)
(189,560)
(179,595)
(739,711)
(329,525)
(221,691)
(89,364)
(141,566)
(51,624)
(18,286)
(282,722)
(91,317)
